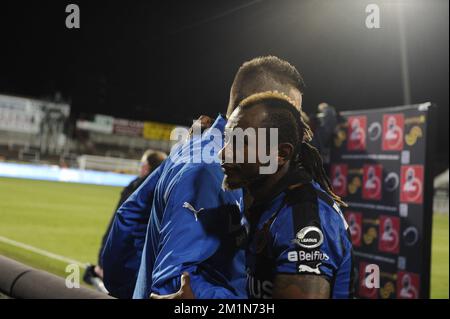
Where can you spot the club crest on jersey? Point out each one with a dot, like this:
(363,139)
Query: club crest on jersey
(309,237)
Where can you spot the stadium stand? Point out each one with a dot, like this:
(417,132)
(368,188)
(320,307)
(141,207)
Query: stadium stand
(41,132)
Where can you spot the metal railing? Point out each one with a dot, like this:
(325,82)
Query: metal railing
(23,282)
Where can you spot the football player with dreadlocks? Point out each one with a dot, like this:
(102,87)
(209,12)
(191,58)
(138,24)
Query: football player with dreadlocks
(176,221)
(299,243)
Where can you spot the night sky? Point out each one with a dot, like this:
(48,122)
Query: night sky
(171,61)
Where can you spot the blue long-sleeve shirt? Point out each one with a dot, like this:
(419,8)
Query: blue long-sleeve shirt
(193,225)
(122,251)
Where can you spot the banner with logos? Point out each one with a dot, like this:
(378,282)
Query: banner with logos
(110,125)
(158,131)
(128,127)
(100,124)
(378,166)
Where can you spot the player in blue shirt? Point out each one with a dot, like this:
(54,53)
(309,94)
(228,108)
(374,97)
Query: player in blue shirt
(299,242)
(193,225)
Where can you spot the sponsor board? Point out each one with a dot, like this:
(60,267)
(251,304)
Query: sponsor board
(378,167)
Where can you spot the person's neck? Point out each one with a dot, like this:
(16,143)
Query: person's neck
(262,191)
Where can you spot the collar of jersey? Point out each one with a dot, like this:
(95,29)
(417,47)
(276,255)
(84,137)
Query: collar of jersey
(219,124)
(272,205)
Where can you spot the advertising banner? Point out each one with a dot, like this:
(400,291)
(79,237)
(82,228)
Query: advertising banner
(157,131)
(128,127)
(100,124)
(379,167)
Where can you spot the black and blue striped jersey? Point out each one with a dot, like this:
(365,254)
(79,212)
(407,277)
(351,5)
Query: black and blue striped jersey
(300,231)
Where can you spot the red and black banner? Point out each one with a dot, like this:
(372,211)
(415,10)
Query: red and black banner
(379,166)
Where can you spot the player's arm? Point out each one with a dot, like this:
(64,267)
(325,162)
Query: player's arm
(285,287)
(185,291)
(301,287)
(123,248)
(186,239)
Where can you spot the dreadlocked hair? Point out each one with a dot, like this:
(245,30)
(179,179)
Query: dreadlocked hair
(310,159)
(293,129)
(307,132)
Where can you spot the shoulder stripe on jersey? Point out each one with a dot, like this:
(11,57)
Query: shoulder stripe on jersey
(327,199)
(351,286)
(331,203)
(305,211)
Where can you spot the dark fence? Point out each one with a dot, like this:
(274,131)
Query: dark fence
(20,281)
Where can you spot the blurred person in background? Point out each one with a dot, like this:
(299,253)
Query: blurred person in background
(325,124)
(149,162)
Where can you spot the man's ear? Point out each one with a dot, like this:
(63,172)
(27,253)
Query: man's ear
(297,97)
(231,103)
(285,153)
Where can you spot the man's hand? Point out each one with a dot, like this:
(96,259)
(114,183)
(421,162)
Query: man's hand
(185,291)
(203,123)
